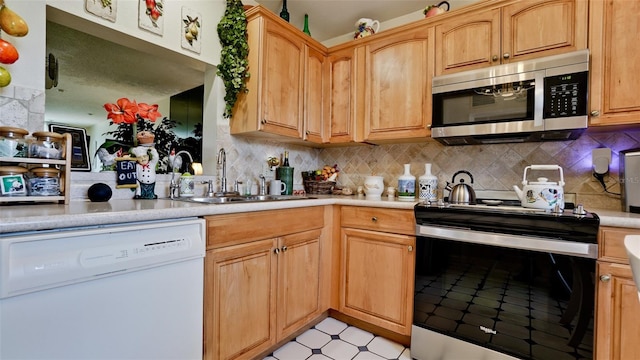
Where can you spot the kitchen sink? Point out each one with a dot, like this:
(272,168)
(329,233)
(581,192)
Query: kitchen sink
(240,199)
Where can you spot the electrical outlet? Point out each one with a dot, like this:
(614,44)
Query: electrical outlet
(600,159)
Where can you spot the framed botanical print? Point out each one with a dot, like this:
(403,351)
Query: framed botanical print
(150,16)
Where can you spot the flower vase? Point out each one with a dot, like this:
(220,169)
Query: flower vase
(407,185)
(428,185)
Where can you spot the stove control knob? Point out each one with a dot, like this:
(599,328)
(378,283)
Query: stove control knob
(579,210)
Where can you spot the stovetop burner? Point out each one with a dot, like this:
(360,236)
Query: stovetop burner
(508,217)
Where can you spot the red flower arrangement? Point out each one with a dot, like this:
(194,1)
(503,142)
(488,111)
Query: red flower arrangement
(129,112)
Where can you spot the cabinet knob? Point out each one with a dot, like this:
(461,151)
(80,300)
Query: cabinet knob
(506,55)
(494,58)
(410,248)
(276,251)
(374,219)
(429,126)
(307,132)
(284,248)
(263,121)
(595,113)
(605,278)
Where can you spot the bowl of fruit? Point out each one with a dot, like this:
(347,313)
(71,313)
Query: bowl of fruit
(320,181)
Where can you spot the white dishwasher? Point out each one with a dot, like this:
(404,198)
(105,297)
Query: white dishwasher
(131,291)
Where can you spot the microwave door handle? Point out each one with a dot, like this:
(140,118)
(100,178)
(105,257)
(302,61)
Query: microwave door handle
(538,103)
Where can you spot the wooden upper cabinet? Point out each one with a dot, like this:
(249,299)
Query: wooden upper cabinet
(285,87)
(314,97)
(615,69)
(282,82)
(517,31)
(396,86)
(340,101)
(467,42)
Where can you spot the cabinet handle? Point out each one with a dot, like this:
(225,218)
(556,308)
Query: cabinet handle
(263,121)
(374,219)
(494,58)
(506,55)
(605,278)
(595,113)
(276,251)
(284,248)
(410,248)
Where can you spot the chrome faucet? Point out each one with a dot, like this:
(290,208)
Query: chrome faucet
(175,162)
(263,185)
(222,160)
(173,186)
(173,167)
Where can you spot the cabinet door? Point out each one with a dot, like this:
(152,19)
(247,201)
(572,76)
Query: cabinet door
(469,41)
(314,97)
(282,82)
(377,278)
(240,300)
(542,28)
(298,281)
(397,87)
(618,310)
(341,96)
(615,69)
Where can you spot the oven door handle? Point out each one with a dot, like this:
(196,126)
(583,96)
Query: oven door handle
(522,242)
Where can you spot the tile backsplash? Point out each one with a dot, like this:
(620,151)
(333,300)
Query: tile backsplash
(494,167)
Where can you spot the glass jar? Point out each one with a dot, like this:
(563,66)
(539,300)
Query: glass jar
(47,145)
(12,181)
(44,181)
(13,143)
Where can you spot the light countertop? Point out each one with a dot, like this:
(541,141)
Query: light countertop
(17,218)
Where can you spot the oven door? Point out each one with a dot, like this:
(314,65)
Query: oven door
(531,304)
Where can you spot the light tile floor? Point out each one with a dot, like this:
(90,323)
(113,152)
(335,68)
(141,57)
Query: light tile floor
(333,339)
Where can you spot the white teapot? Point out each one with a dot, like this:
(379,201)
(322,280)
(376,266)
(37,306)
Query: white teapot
(541,194)
(366,27)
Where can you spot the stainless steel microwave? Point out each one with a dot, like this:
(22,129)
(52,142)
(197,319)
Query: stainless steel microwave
(534,100)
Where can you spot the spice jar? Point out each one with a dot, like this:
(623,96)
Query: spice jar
(12,181)
(44,181)
(13,143)
(47,145)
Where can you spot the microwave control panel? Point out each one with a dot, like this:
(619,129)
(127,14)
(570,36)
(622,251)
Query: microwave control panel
(565,95)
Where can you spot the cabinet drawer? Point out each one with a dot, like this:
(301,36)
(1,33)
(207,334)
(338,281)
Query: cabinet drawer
(232,229)
(397,221)
(611,244)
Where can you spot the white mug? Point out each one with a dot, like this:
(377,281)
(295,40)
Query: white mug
(277,187)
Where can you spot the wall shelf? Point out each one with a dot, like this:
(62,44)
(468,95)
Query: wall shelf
(65,176)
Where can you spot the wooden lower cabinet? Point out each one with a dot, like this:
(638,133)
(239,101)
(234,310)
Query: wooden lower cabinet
(240,308)
(617,328)
(259,292)
(377,268)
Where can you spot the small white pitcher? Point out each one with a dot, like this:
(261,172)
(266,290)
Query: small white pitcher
(366,27)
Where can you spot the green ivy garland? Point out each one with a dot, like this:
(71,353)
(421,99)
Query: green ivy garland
(233,68)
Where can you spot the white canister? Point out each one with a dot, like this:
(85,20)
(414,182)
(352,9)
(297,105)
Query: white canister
(407,184)
(374,186)
(186,185)
(428,185)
